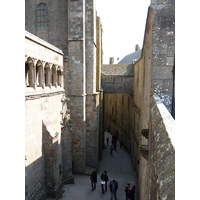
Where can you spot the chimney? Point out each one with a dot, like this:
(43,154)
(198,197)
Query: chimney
(111,60)
(137,47)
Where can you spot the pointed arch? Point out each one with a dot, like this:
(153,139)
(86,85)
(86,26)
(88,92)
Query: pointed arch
(29,72)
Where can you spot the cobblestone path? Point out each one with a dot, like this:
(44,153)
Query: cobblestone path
(118,167)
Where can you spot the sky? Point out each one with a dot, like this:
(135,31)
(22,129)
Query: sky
(123,24)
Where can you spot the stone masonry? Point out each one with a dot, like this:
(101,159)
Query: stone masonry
(142,122)
(163,50)
(71,26)
(67,110)
(43,110)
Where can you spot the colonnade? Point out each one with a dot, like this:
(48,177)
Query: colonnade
(42,74)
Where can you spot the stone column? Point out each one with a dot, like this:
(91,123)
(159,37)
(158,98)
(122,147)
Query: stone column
(54,75)
(75,84)
(32,75)
(41,76)
(92,100)
(48,76)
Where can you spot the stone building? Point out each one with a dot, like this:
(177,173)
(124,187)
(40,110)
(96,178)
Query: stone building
(65,104)
(44,107)
(118,87)
(74,28)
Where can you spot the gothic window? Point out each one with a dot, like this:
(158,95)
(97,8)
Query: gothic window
(41,16)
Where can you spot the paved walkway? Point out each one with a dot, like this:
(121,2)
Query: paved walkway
(118,167)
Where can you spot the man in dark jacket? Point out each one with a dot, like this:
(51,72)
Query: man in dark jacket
(104,180)
(113,189)
(93,178)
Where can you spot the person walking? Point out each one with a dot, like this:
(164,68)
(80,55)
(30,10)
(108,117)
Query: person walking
(93,179)
(113,189)
(104,180)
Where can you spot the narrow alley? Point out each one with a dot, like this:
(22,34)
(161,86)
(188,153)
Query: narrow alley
(118,167)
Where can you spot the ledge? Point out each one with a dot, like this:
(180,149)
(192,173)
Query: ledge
(32,94)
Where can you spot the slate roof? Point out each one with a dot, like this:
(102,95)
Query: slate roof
(117,69)
(128,59)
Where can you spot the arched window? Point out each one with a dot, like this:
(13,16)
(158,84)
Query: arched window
(41,16)
(29,73)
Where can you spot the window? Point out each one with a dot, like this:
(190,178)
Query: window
(119,79)
(41,16)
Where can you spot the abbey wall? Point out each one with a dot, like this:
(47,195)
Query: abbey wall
(74,142)
(44,105)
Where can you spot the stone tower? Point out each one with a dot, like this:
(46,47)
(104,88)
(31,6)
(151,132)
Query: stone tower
(71,26)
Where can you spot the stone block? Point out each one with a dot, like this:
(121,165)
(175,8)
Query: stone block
(171,51)
(160,49)
(162,73)
(170,61)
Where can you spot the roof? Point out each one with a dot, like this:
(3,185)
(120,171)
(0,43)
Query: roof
(117,69)
(128,59)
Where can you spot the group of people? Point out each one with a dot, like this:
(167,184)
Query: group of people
(113,186)
(114,144)
(130,192)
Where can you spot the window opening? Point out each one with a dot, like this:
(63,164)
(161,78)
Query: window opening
(41,16)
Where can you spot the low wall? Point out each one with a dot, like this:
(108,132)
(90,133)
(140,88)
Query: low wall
(161,158)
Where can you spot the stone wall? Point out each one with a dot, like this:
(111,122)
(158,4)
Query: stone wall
(117,84)
(118,116)
(71,26)
(117,78)
(98,83)
(57,13)
(46,116)
(161,160)
(163,50)
(36,111)
(155,150)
